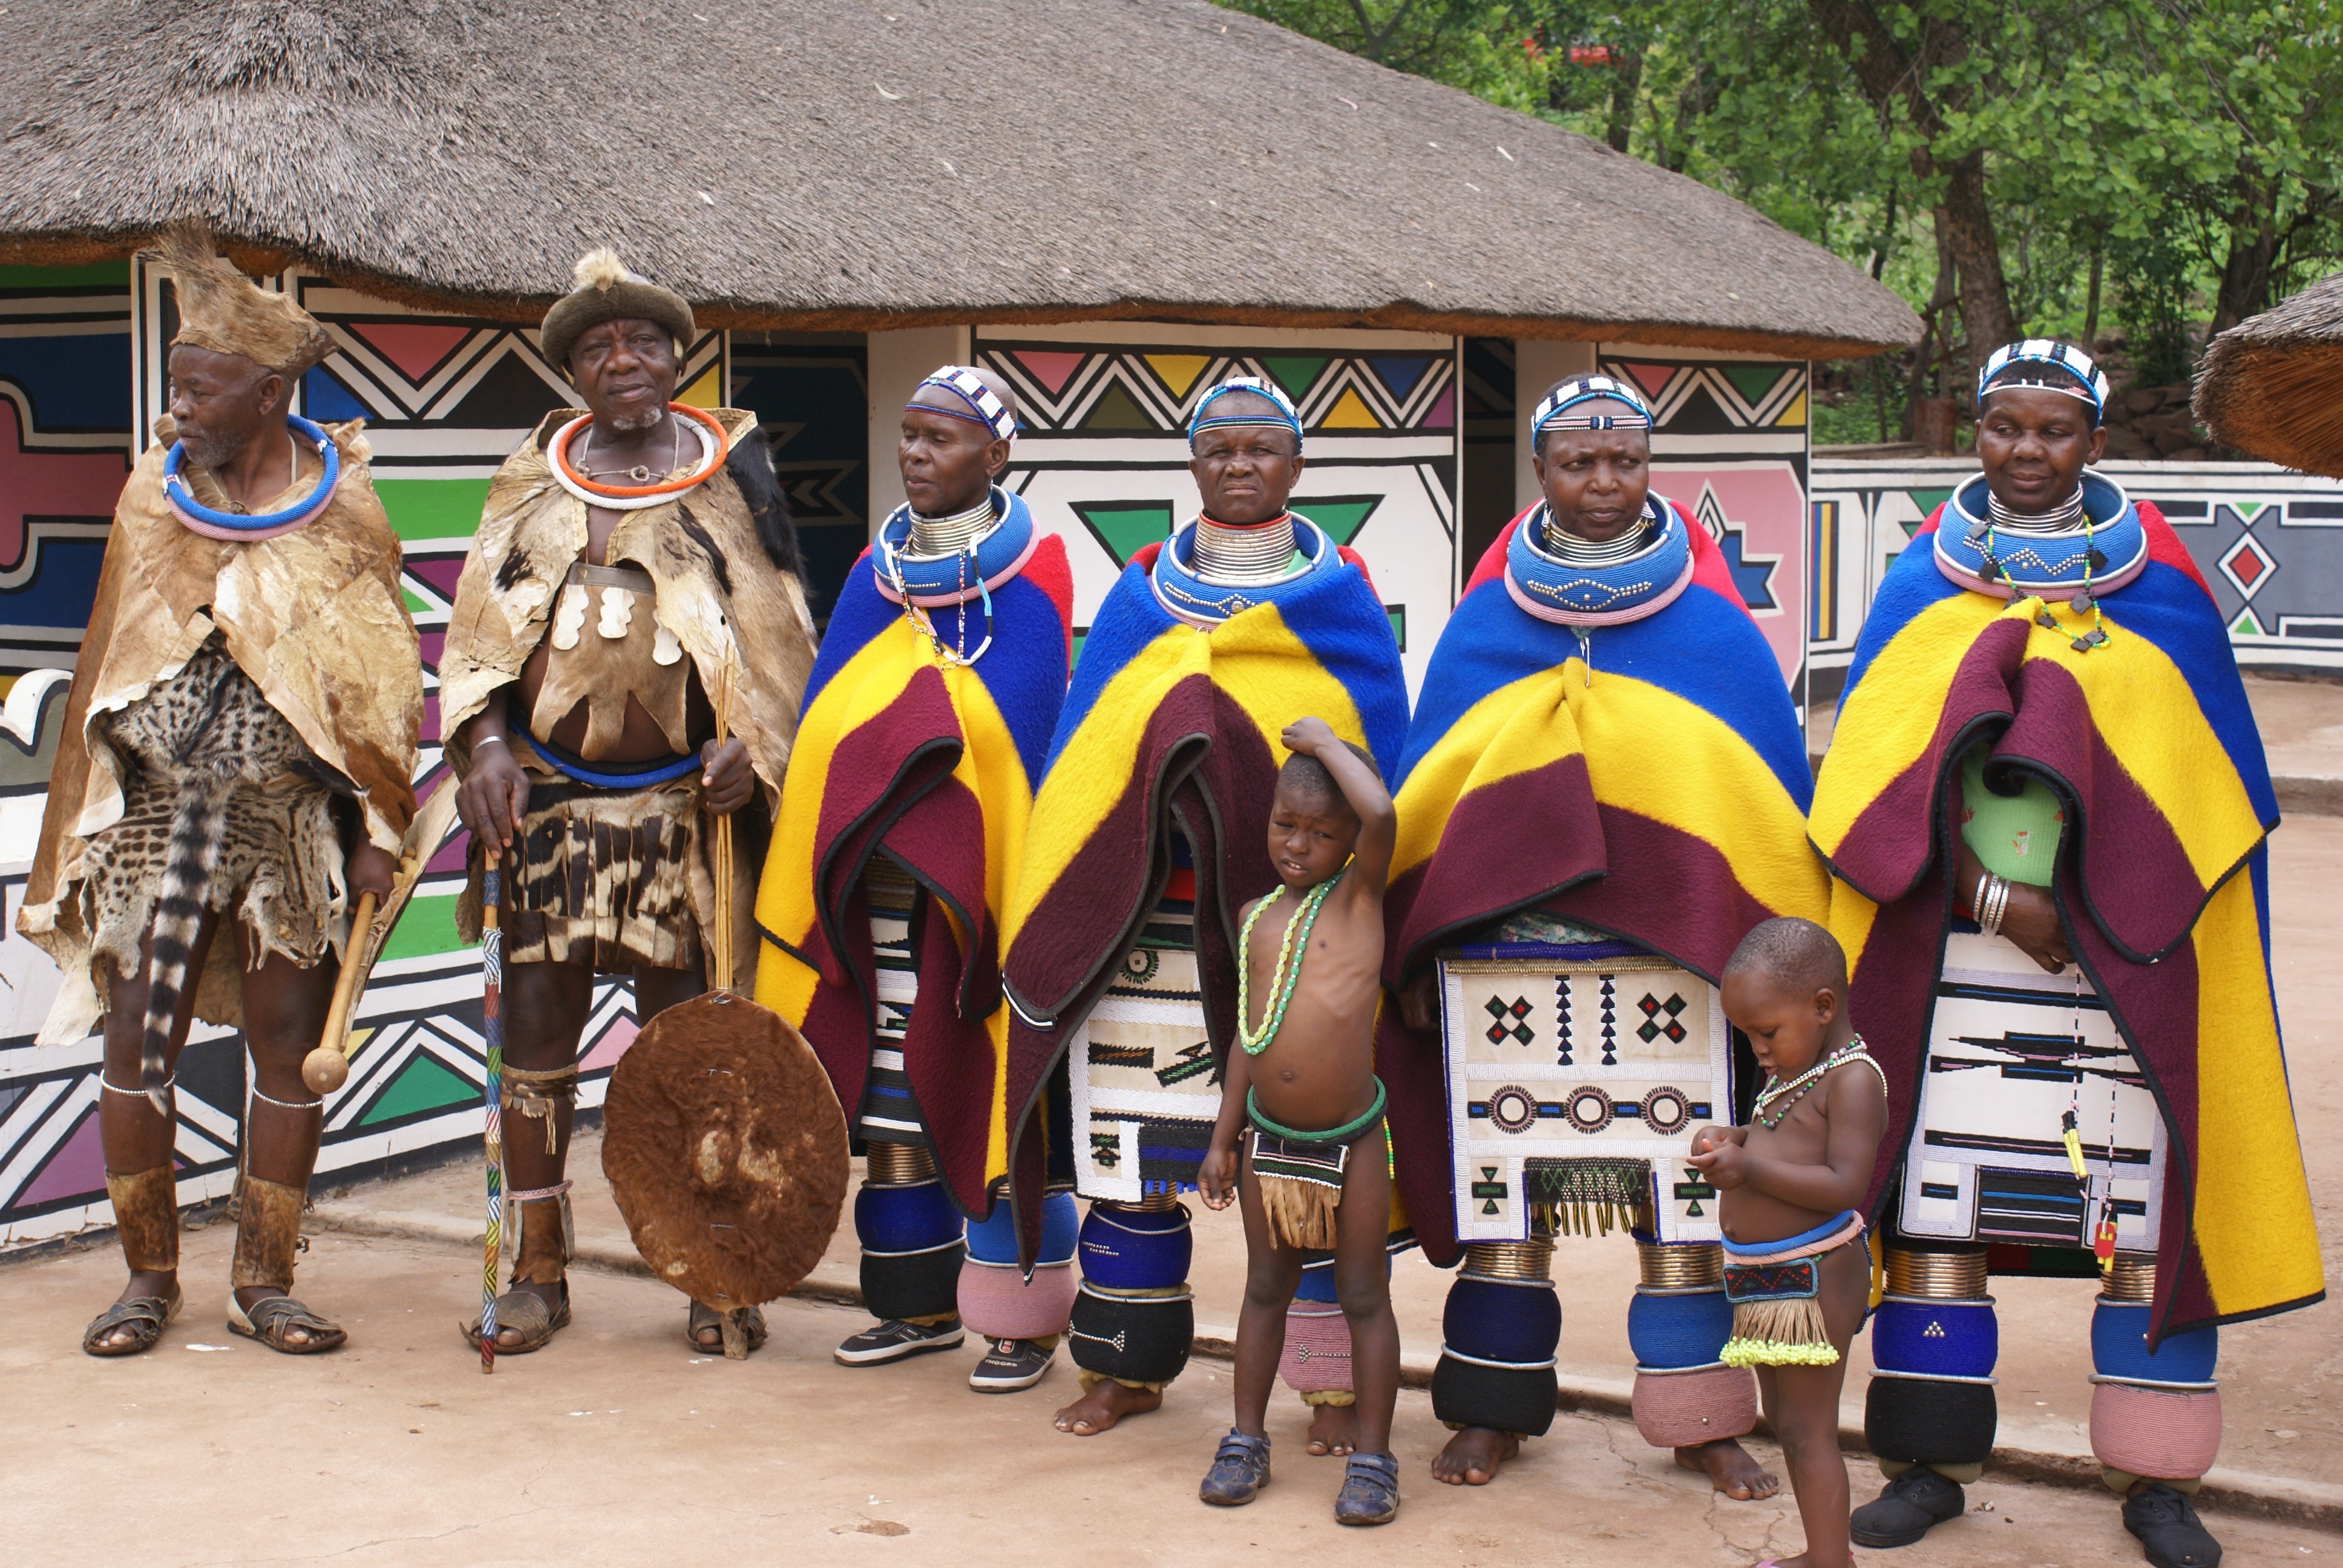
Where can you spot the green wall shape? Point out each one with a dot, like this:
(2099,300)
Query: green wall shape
(424,1084)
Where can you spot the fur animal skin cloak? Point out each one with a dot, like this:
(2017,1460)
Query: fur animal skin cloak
(718,592)
(314,617)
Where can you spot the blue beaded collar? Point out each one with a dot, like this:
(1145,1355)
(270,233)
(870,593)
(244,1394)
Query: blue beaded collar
(939,582)
(1569,594)
(1183,594)
(2009,564)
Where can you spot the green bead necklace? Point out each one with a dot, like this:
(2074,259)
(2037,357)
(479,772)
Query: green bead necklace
(1283,978)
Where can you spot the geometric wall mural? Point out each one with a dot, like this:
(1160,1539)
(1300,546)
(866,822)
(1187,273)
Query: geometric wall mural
(2269,543)
(810,391)
(446,398)
(65,446)
(1729,447)
(1101,454)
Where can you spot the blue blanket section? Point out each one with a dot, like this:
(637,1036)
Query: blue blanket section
(1332,611)
(1024,669)
(1702,648)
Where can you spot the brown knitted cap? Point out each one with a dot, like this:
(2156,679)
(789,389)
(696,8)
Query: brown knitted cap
(606,291)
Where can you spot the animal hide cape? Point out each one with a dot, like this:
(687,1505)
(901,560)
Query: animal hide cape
(2165,892)
(1660,796)
(933,765)
(717,591)
(1169,723)
(314,617)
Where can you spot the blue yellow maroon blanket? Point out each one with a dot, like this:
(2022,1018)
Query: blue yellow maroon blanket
(1529,780)
(932,763)
(1169,723)
(2149,743)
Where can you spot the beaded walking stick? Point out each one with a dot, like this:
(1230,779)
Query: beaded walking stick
(492,1032)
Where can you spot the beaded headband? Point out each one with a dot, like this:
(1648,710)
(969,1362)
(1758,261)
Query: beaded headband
(2088,383)
(1552,413)
(985,406)
(1285,416)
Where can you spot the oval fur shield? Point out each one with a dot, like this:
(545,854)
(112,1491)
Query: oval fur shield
(726,1151)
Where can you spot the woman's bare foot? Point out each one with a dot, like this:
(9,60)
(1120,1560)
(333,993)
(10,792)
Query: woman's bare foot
(1472,1456)
(1333,1429)
(1732,1471)
(158,1284)
(1105,1403)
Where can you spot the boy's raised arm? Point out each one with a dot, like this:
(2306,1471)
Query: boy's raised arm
(1363,789)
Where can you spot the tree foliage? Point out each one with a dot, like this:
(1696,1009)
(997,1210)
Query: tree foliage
(2029,166)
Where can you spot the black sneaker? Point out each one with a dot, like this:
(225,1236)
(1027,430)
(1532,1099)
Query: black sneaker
(2168,1528)
(1904,1509)
(1010,1365)
(894,1339)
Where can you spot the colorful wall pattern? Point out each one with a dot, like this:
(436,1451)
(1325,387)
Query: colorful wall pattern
(1729,446)
(2268,542)
(1102,457)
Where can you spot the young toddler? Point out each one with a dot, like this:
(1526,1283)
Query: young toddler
(1796,1268)
(1315,1166)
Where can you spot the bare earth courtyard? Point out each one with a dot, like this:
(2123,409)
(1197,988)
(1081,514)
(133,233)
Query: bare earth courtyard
(622,1445)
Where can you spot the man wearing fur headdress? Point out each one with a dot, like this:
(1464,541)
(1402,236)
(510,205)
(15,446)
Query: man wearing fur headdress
(635,574)
(237,760)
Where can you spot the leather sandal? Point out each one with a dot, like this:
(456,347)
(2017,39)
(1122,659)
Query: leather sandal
(525,1314)
(272,1319)
(145,1316)
(743,1327)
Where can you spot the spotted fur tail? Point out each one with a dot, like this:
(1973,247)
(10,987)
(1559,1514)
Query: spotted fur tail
(193,856)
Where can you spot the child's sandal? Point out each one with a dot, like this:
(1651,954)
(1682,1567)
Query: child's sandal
(1369,1493)
(1239,1469)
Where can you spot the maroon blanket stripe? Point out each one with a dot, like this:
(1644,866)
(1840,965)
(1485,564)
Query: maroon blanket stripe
(1505,846)
(2138,882)
(1676,894)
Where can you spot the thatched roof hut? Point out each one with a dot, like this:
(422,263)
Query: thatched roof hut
(2273,384)
(867,164)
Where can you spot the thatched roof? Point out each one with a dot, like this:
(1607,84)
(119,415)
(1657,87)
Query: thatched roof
(2273,384)
(871,163)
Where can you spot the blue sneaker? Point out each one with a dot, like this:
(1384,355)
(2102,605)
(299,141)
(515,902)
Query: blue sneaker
(1239,1469)
(1369,1493)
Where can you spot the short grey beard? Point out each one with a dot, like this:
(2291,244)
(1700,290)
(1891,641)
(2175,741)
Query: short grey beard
(620,423)
(204,452)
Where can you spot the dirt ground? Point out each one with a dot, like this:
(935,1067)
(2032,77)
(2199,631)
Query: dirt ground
(620,1445)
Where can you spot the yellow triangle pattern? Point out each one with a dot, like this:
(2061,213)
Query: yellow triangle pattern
(1179,370)
(1350,412)
(1795,414)
(707,391)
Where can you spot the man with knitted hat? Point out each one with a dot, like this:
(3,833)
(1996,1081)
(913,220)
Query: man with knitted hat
(632,587)
(236,763)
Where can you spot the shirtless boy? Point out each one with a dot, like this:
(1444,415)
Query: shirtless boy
(1796,1268)
(1315,1168)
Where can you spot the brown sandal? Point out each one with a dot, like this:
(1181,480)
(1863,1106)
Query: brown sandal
(272,1318)
(145,1316)
(525,1314)
(743,1329)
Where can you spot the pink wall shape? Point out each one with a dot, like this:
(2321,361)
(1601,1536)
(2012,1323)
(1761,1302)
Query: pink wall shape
(82,484)
(1765,500)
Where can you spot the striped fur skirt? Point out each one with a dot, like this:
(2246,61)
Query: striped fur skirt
(615,878)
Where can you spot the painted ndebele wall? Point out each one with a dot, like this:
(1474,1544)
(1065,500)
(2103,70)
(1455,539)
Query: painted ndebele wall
(1416,455)
(2268,542)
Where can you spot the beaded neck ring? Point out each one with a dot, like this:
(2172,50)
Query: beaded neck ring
(2070,373)
(216,524)
(1770,1099)
(715,446)
(1291,950)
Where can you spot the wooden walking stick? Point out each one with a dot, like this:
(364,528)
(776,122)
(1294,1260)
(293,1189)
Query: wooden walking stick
(492,1033)
(328,1067)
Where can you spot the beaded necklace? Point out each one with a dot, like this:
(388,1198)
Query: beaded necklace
(1283,979)
(1798,1088)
